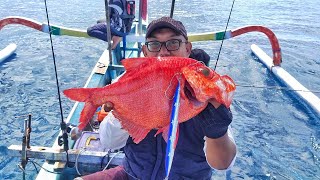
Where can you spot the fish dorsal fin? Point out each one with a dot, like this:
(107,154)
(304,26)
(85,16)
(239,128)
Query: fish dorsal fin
(135,63)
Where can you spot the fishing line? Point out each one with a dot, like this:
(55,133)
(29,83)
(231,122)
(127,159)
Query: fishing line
(275,87)
(63,124)
(224,34)
(178,75)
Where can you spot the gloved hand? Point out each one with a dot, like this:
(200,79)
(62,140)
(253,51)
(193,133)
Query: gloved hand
(214,122)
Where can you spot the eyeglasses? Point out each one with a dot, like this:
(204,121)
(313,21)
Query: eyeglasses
(171,45)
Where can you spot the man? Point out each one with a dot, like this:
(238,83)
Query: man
(121,19)
(204,142)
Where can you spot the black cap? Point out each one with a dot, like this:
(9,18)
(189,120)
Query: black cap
(167,22)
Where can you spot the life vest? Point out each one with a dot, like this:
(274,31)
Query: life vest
(122,14)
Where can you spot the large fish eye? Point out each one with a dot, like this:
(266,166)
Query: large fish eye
(205,71)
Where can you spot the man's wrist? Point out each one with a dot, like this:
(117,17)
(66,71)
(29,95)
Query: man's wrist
(215,133)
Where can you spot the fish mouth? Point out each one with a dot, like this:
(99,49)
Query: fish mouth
(190,94)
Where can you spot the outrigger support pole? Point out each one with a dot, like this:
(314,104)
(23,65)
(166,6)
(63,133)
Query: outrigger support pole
(28,131)
(107,9)
(140,27)
(24,159)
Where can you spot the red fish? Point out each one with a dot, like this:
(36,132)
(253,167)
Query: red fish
(142,97)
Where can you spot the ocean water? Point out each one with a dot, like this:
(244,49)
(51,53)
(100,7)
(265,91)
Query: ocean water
(277,137)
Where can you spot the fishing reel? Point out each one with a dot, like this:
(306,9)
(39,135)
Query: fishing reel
(72,131)
(63,139)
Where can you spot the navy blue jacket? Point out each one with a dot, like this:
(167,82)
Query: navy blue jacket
(146,160)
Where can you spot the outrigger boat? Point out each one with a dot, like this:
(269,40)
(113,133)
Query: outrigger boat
(7,52)
(85,154)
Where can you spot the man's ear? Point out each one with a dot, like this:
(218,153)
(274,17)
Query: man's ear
(189,48)
(145,50)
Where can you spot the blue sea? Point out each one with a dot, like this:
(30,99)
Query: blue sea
(276,135)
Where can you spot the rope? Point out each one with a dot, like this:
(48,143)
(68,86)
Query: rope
(224,34)
(130,174)
(106,155)
(83,149)
(45,168)
(111,160)
(35,167)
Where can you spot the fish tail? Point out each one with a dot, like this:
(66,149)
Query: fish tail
(92,101)
(79,94)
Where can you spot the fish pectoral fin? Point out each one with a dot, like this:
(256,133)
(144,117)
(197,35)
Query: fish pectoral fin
(230,89)
(137,132)
(224,90)
(86,114)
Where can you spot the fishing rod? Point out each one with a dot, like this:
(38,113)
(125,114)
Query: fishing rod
(172,8)
(224,34)
(63,139)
